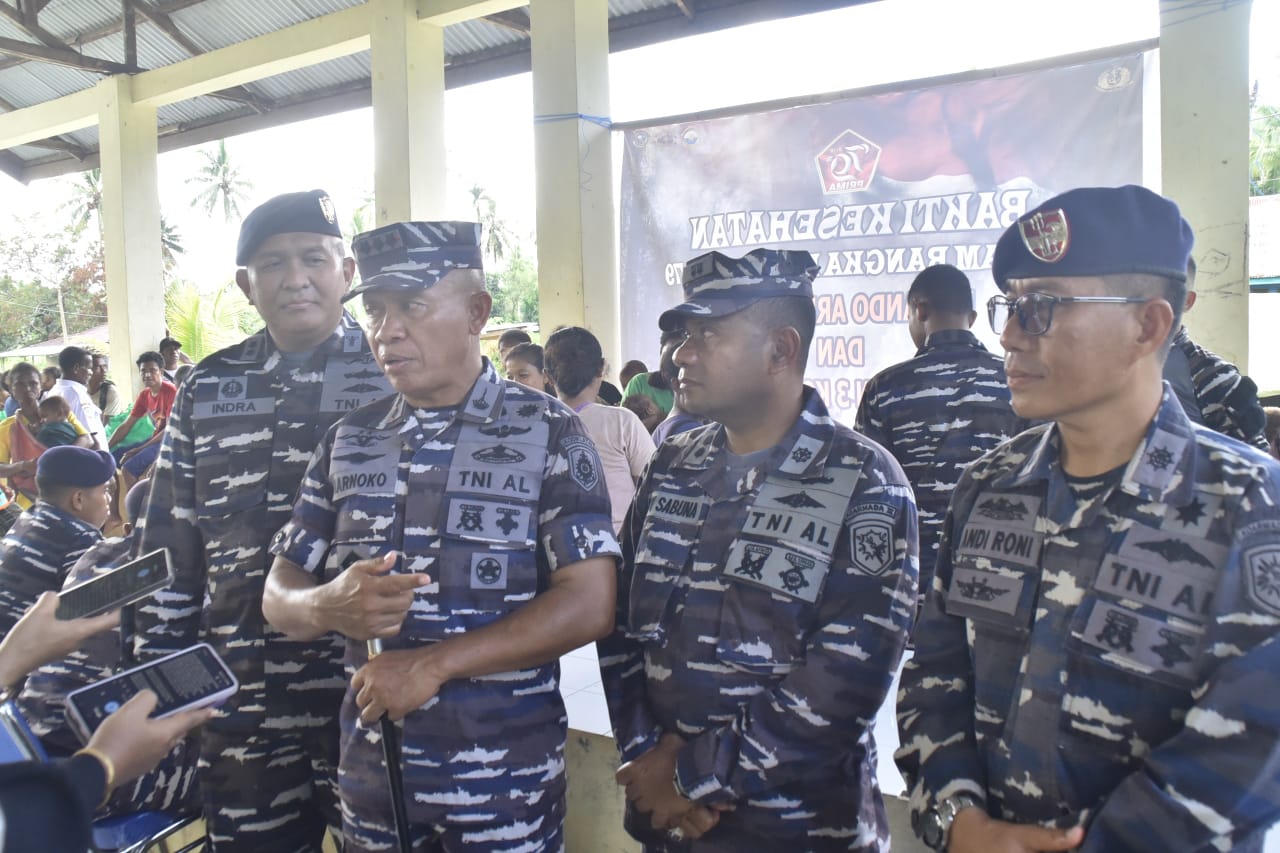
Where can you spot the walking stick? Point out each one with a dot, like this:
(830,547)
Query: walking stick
(395,775)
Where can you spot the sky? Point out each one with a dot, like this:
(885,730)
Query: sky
(489,126)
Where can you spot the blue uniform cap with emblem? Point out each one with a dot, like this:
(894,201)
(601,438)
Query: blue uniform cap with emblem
(409,256)
(717,285)
(1096,231)
(310,212)
(76,466)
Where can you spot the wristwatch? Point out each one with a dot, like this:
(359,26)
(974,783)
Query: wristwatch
(935,824)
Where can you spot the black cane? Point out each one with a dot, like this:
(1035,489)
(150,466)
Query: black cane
(395,775)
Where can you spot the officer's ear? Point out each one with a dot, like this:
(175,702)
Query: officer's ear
(784,349)
(348,269)
(242,282)
(1155,324)
(479,304)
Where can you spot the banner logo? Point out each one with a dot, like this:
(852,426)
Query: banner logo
(848,164)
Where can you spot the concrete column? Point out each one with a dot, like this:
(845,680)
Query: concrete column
(407,58)
(577,266)
(131,228)
(1204,127)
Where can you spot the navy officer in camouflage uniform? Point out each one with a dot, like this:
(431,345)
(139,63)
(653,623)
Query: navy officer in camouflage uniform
(1096,663)
(244,424)
(768,587)
(942,409)
(488,503)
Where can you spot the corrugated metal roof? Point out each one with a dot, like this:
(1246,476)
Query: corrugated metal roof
(475,50)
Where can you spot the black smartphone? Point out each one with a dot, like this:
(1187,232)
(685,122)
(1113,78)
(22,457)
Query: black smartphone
(192,678)
(116,588)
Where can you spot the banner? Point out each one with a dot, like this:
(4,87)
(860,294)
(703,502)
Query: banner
(877,187)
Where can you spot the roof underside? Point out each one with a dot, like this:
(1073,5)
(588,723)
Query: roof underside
(52,48)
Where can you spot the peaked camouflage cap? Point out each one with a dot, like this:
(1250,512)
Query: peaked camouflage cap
(717,285)
(408,256)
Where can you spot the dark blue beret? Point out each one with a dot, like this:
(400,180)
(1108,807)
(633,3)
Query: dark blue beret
(414,255)
(1095,231)
(310,212)
(716,285)
(76,466)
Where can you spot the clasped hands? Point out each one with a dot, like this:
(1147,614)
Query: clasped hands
(650,786)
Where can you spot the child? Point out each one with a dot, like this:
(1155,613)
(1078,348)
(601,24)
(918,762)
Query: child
(55,431)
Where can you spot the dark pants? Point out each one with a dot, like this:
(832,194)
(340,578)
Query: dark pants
(272,794)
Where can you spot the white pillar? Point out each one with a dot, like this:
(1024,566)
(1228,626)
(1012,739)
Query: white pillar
(1204,131)
(130,227)
(407,58)
(577,266)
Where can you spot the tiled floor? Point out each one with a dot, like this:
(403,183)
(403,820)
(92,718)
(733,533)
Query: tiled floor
(583,694)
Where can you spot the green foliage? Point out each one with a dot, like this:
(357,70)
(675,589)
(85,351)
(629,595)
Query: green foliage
(1264,150)
(32,268)
(220,184)
(496,237)
(515,290)
(207,322)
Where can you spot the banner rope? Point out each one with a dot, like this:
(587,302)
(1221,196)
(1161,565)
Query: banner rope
(603,121)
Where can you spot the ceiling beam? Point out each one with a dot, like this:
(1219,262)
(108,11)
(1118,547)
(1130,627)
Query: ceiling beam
(61,56)
(514,20)
(90,36)
(317,40)
(444,13)
(686,6)
(162,20)
(52,118)
(130,18)
(26,18)
(56,144)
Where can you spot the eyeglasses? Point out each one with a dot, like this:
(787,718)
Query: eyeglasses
(1035,310)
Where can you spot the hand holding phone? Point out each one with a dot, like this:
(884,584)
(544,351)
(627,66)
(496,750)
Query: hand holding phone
(189,679)
(118,587)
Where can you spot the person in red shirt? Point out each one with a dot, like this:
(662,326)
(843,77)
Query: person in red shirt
(155,401)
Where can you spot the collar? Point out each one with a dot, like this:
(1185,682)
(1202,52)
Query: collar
(801,454)
(260,349)
(77,386)
(64,517)
(481,405)
(950,339)
(1163,468)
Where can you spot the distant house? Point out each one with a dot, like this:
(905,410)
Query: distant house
(46,352)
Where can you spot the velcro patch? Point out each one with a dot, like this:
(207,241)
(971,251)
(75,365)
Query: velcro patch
(776,567)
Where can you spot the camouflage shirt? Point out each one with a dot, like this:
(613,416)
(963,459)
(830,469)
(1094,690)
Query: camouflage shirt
(761,618)
(35,556)
(1102,660)
(43,697)
(1214,393)
(489,498)
(242,428)
(936,414)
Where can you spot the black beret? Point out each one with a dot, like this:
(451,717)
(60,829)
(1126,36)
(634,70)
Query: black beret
(310,212)
(76,466)
(1096,231)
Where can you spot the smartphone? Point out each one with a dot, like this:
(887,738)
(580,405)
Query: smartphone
(192,678)
(17,741)
(116,588)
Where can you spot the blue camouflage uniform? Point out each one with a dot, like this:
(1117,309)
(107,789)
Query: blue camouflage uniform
(1213,392)
(171,785)
(1099,650)
(936,413)
(489,498)
(35,556)
(243,426)
(1145,620)
(762,620)
(763,606)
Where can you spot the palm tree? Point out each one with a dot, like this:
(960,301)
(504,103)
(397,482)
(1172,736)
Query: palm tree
(497,237)
(170,244)
(85,205)
(1264,151)
(220,183)
(207,322)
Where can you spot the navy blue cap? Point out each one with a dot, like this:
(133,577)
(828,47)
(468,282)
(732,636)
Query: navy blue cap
(76,466)
(311,212)
(716,285)
(410,256)
(1096,231)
